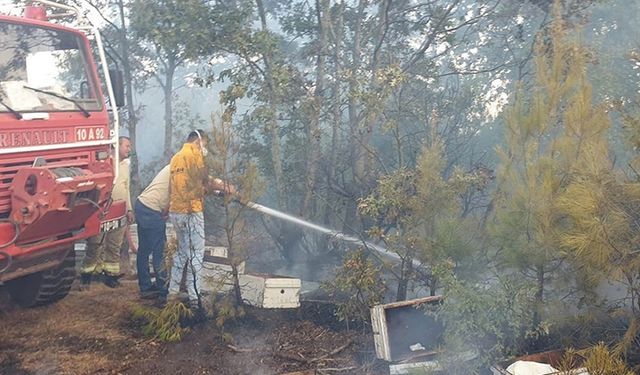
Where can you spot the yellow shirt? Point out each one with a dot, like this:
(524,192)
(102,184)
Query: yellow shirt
(121,184)
(186,183)
(156,195)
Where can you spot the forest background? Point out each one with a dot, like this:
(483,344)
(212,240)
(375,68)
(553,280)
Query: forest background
(493,141)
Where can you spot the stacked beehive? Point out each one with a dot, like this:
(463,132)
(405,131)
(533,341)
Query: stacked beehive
(260,290)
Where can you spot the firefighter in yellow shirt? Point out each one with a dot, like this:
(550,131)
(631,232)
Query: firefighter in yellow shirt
(103,251)
(188,184)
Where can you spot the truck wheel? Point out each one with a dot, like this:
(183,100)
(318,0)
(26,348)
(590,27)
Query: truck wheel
(44,287)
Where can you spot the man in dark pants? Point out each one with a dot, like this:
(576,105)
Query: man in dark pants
(151,214)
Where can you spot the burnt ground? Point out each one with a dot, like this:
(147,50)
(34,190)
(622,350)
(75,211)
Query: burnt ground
(92,332)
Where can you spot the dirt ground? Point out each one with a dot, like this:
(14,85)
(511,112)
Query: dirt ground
(91,332)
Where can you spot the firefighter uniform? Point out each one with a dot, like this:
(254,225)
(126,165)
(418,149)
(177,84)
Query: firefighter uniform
(187,180)
(103,250)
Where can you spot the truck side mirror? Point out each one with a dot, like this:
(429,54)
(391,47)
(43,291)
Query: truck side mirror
(117,83)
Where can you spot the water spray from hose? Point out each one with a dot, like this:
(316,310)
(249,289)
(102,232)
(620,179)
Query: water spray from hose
(330,232)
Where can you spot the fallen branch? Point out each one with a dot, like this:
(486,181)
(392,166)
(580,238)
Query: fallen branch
(292,357)
(300,358)
(332,353)
(124,368)
(239,350)
(334,369)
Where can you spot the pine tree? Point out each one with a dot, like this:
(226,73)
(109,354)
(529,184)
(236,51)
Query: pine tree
(418,216)
(553,136)
(566,218)
(601,207)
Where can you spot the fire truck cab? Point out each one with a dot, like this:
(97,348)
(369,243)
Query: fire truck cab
(57,150)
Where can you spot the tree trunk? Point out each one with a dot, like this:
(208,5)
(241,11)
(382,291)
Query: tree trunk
(539,296)
(288,235)
(168,107)
(274,130)
(314,134)
(363,162)
(336,94)
(356,52)
(132,116)
(405,276)
(331,203)
(237,292)
(401,294)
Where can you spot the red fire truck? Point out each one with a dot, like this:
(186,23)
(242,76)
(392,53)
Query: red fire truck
(56,149)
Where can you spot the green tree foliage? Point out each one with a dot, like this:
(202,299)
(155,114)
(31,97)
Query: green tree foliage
(550,136)
(170,33)
(566,218)
(358,286)
(488,317)
(164,324)
(227,165)
(601,206)
(377,116)
(345,91)
(233,227)
(418,217)
(598,359)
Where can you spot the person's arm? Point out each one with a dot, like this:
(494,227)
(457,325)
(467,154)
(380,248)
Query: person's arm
(218,185)
(127,185)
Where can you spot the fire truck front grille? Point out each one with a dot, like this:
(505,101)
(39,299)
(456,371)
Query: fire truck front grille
(9,167)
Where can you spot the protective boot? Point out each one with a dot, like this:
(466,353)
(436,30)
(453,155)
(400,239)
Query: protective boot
(111,281)
(85,281)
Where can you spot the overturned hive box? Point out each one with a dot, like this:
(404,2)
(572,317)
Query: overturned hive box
(407,334)
(553,358)
(403,330)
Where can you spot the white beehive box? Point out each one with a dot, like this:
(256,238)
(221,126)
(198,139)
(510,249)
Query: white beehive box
(552,358)
(265,291)
(269,291)
(217,260)
(216,271)
(399,325)
(410,338)
(216,251)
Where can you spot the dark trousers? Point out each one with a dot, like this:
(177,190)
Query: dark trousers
(151,240)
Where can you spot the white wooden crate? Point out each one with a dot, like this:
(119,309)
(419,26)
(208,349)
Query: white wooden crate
(265,291)
(398,325)
(269,291)
(552,357)
(216,271)
(216,259)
